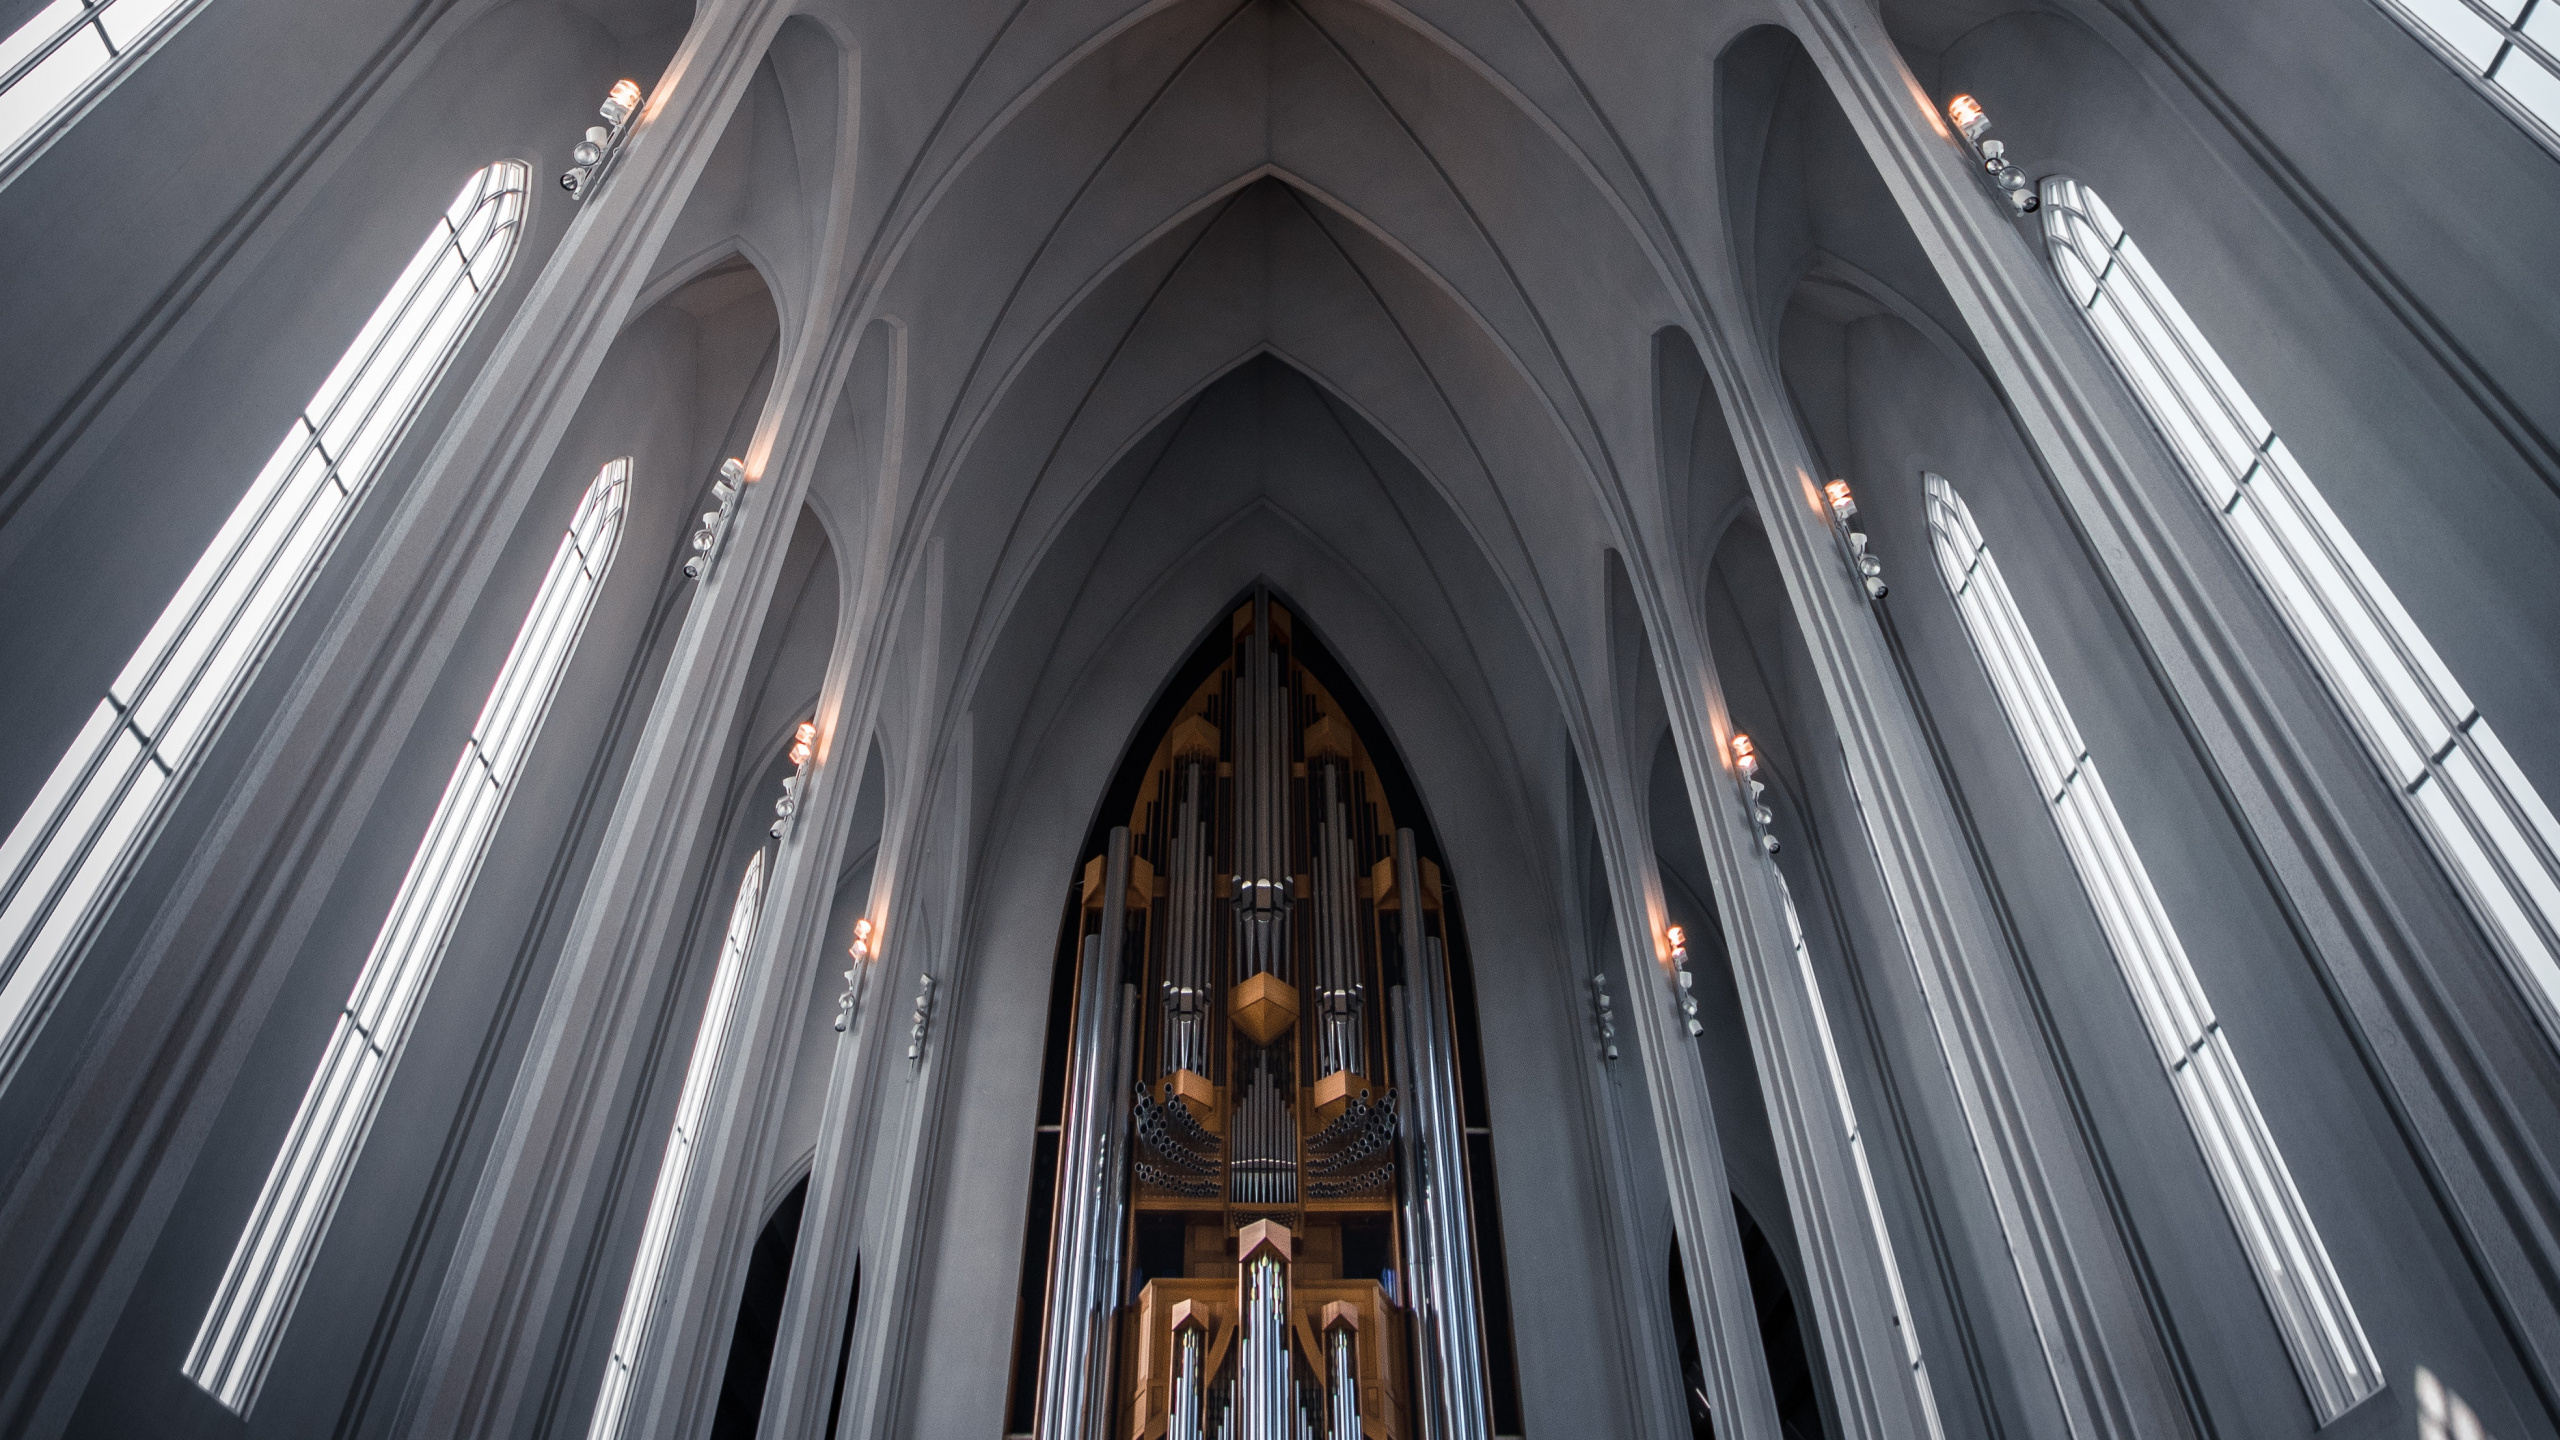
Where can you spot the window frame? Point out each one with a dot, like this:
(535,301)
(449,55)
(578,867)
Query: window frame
(67,858)
(638,1315)
(243,1329)
(2544,130)
(19,153)
(2480,816)
(2315,1317)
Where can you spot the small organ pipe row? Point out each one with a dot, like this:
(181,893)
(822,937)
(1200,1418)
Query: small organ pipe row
(1264,1170)
(1086,1239)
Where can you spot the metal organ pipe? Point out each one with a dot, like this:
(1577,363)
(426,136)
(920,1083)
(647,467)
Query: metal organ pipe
(1339,1040)
(1450,1345)
(1186,996)
(1262,803)
(1346,1385)
(1190,1387)
(1076,1354)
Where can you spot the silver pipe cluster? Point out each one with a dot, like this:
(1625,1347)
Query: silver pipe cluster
(1439,1264)
(1189,915)
(1339,1041)
(1346,1387)
(1262,805)
(1263,1150)
(1190,1394)
(1267,1399)
(1088,1232)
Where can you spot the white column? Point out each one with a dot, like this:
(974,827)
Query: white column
(2399,950)
(2112,1376)
(122,1143)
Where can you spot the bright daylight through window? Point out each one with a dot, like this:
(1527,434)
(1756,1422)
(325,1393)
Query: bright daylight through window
(2312,1311)
(1866,1173)
(657,1233)
(66,53)
(64,862)
(239,1335)
(2513,45)
(2483,816)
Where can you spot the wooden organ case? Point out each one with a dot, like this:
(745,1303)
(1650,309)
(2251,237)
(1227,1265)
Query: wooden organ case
(1262,1228)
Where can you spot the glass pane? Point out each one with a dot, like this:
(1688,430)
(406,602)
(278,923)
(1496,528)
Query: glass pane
(71,846)
(240,1333)
(2458,26)
(2534,87)
(54,80)
(129,20)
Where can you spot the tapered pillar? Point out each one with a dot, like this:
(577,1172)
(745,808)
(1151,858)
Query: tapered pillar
(1847,1274)
(1684,1127)
(2077,1275)
(124,1139)
(2382,919)
(1084,1250)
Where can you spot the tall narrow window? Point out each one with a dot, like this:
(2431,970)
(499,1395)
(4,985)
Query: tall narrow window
(238,1338)
(65,861)
(2312,1311)
(1866,1173)
(657,1233)
(2508,48)
(2483,816)
(66,55)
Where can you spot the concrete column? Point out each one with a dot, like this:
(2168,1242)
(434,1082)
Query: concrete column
(121,1144)
(2112,1374)
(1849,1291)
(2478,1101)
(1684,1125)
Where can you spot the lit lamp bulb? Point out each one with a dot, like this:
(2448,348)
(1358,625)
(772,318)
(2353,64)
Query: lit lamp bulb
(1744,759)
(620,102)
(1966,113)
(861,939)
(801,741)
(1837,492)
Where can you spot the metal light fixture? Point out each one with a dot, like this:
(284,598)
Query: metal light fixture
(1746,763)
(594,154)
(1973,125)
(924,1018)
(860,951)
(804,747)
(715,521)
(1679,939)
(1864,567)
(1602,1008)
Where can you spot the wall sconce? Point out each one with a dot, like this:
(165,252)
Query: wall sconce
(1602,1008)
(1864,568)
(592,156)
(715,522)
(860,951)
(2007,180)
(924,1017)
(1679,939)
(1746,763)
(804,747)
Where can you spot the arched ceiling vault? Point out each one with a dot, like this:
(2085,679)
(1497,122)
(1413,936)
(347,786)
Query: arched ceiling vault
(1322,188)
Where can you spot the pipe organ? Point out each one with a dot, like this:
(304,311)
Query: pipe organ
(1262,1227)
